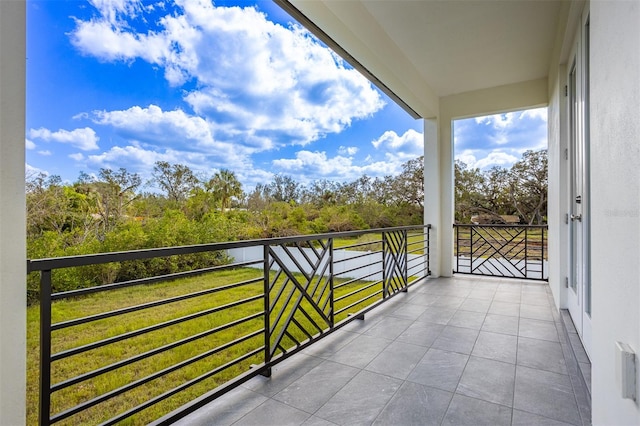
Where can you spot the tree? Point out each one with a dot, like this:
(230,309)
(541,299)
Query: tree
(111,194)
(117,191)
(409,185)
(468,191)
(321,193)
(284,188)
(225,185)
(176,180)
(528,186)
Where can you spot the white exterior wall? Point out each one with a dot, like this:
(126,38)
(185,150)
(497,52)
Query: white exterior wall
(12,214)
(615,201)
(557,193)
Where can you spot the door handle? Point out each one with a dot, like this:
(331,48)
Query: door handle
(577,217)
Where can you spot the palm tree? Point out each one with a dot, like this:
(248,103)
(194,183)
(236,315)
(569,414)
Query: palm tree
(225,185)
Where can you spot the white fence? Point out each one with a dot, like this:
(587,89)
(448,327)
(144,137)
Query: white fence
(369,265)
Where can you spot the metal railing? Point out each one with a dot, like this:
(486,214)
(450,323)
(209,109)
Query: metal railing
(512,251)
(183,339)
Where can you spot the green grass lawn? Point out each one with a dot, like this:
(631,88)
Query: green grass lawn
(117,299)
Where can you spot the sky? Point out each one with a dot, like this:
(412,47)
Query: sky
(235,85)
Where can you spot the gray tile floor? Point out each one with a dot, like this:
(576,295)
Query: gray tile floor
(451,351)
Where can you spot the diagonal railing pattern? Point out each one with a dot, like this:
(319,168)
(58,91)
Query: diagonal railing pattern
(207,340)
(300,303)
(513,251)
(395,261)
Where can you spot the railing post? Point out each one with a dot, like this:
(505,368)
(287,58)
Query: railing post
(429,249)
(384,266)
(456,230)
(471,248)
(406,261)
(331,294)
(267,312)
(45,347)
(526,252)
(542,255)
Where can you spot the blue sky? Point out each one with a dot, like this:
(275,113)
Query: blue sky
(235,85)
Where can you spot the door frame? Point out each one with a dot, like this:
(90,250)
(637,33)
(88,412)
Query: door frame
(578,184)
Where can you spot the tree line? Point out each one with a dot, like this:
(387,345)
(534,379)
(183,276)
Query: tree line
(490,195)
(115,210)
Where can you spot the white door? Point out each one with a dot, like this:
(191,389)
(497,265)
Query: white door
(579,288)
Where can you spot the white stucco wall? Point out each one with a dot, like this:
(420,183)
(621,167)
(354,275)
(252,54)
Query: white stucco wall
(12,214)
(615,195)
(558,205)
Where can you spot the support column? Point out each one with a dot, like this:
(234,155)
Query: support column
(438,194)
(13,313)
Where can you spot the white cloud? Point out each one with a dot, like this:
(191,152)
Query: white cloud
(348,150)
(46,153)
(152,124)
(403,147)
(110,9)
(138,158)
(537,113)
(84,139)
(32,171)
(483,160)
(252,74)
(77,156)
(307,166)
(496,159)
(467,157)
(29,144)
(408,141)
(497,121)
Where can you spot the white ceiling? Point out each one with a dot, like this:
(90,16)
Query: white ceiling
(424,50)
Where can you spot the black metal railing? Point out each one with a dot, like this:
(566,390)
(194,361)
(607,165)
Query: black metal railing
(183,339)
(513,251)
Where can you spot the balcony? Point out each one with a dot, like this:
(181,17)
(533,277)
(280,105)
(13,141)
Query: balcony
(342,328)
(451,351)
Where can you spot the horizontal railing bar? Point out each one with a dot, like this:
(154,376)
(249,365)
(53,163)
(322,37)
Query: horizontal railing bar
(337,286)
(344,296)
(156,351)
(414,274)
(366,243)
(115,392)
(338,312)
(419,249)
(149,280)
(364,254)
(130,309)
(100,258)
(337,274)
(124,336)
(180,388)
(414,266)
(414,242)
(499,225)
(422,257)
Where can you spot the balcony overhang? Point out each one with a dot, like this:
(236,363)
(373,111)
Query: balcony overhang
(421,52)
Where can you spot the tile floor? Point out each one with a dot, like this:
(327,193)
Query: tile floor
(451,351)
